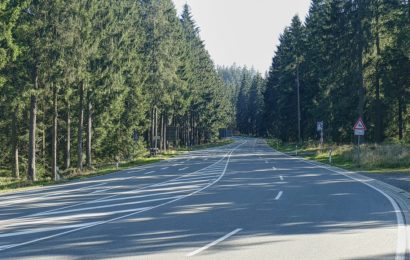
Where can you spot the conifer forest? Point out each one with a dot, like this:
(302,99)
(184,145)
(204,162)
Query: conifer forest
(84,82)
(348,59)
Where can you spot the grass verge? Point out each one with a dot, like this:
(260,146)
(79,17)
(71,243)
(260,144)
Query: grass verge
(374,158)
(218,143)
(10,184)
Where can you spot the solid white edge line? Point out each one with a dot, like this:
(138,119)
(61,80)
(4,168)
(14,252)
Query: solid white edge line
(30,192)
(279,195)
(401,248)
(121,193)
(214,242)
(124,193)
(5,247)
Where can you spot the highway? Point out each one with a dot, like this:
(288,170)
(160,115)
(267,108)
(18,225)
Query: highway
(240,201)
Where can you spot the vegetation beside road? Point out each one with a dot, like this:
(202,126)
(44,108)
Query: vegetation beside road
(374,158)
(346,59)
(9,183)
(209,145)
(86,82)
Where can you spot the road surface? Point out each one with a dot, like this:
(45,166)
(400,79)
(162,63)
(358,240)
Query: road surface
(240,201)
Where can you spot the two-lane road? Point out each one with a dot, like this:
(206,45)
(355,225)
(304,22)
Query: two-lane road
(241,201)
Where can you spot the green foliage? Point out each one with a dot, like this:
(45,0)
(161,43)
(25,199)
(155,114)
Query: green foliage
(111,63)
(373,157)
(244,88)
(353,61)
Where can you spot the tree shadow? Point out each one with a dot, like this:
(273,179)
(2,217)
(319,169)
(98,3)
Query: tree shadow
(315,202)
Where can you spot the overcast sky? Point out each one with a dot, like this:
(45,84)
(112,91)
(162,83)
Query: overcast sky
(243,31)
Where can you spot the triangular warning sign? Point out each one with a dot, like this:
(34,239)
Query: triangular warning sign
(359,125)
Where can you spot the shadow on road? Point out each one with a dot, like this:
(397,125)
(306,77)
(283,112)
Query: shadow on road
(315,202)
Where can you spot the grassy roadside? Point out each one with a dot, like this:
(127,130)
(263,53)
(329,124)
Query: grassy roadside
(210,145)
(384,158)
(9,184)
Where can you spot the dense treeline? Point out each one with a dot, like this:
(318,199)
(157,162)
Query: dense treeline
(245,87)
(348,59)
(95,81)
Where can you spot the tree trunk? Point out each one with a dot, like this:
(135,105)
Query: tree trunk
(361,89)
(192,129)
(360,50)
(155,128)
(31,170)
(195,124)
(165,135)
(32,138)
(54,135)
(80,130)
(14,136)
(89,133)
(67,162)
(186,130)
(189,123)
(298,102)
(161,143)
(379,120)
(43,145)
(152,128)
(400,116)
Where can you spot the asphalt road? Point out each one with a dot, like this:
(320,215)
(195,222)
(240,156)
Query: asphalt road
(241,201)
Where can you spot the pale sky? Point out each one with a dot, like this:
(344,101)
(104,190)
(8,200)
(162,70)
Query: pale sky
(245,32)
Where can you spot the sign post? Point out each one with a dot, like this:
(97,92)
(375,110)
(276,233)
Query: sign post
(359,130)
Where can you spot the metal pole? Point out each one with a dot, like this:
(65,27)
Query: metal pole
(358,148)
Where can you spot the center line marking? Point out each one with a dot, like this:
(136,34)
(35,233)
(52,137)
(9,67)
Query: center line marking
(215,242)
(279,195)
(149,172)
(281,178)
(183,169)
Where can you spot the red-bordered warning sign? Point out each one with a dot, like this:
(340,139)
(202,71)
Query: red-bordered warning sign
(359,125)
